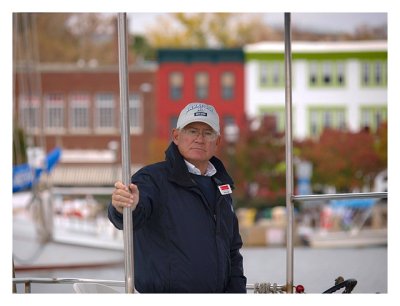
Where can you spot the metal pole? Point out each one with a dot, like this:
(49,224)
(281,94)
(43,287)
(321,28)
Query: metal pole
(319,197)
(289,156)
(125,150)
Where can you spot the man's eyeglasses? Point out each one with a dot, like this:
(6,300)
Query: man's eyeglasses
(208,135)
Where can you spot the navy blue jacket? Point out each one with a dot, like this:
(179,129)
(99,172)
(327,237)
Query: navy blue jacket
(180,245)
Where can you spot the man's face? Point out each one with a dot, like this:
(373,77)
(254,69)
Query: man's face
(197,142)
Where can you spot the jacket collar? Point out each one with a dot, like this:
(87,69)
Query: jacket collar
(180,174)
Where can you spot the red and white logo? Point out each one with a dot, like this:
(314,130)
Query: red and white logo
(225,189)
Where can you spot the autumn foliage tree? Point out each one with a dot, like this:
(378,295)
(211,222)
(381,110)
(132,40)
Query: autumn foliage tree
(343,159)
(257,163)
(91,38)
(205,30)
(66,37)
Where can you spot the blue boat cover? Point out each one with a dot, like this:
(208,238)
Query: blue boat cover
(352,203)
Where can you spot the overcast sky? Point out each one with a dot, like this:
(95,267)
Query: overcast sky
(322,22)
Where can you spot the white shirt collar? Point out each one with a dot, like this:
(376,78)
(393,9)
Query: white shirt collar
(210,171)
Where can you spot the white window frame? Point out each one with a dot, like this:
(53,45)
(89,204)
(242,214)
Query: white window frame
(105,111)
(202,85)
(54,113)
(228,85)
(79,103)
(136,113)
(175,85)
(29,113)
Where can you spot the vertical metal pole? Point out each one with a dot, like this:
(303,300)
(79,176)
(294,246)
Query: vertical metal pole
(289,155)
(13,275)
(125,150)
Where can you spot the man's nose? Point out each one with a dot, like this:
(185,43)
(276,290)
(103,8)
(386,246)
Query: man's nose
(200,136)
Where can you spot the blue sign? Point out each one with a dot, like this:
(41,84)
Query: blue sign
(24,176)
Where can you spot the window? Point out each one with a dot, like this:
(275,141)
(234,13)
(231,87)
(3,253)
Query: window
(227,85)
(314,124)
(54,111)
(30,113)
(321,118)
(271,74)
(230,129)
(340,73)
(229,120)
(263,74)
(105,111)
(327,121)
(341,120)
(313,73)
(79,112)
(202,85)
(175,85)
(372,117)
(365,74)
(374,73)
(365,118)
(172,122)
(278,113)
(135,113)
(378,73)
(276,74)
(327,74)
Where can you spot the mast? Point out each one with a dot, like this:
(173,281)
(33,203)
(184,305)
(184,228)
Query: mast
(289,156)
(125,149)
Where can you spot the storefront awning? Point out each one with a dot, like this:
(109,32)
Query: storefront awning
(87,175)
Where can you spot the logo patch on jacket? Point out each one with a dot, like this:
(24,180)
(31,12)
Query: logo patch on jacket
(225,189)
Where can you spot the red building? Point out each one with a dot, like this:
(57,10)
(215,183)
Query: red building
(78,109)
(212,76)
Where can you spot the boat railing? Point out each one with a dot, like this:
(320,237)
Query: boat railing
(257,288)
(28,281)
(334,196)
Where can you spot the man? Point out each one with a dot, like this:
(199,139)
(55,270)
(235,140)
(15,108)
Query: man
(186,236)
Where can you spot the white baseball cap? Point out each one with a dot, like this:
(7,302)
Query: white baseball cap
(199,112)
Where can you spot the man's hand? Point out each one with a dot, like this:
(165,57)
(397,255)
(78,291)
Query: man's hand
(121,197)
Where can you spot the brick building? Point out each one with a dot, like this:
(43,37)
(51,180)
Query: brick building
(78,109)
(213,76)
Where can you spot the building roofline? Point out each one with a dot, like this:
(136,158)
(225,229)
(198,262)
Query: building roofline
(188,55)
(72,67)
(318,46)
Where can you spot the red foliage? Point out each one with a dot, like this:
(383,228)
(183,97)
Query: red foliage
(343,159)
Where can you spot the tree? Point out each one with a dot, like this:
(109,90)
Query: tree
(67,37)
(96,35)
(141,50)
(343,159)
(43,37)
(381,144)
(258,160)
(205,30)
(91,38)
(234,30)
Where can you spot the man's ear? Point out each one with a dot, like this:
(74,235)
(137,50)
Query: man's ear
(175,134)
(218,140)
